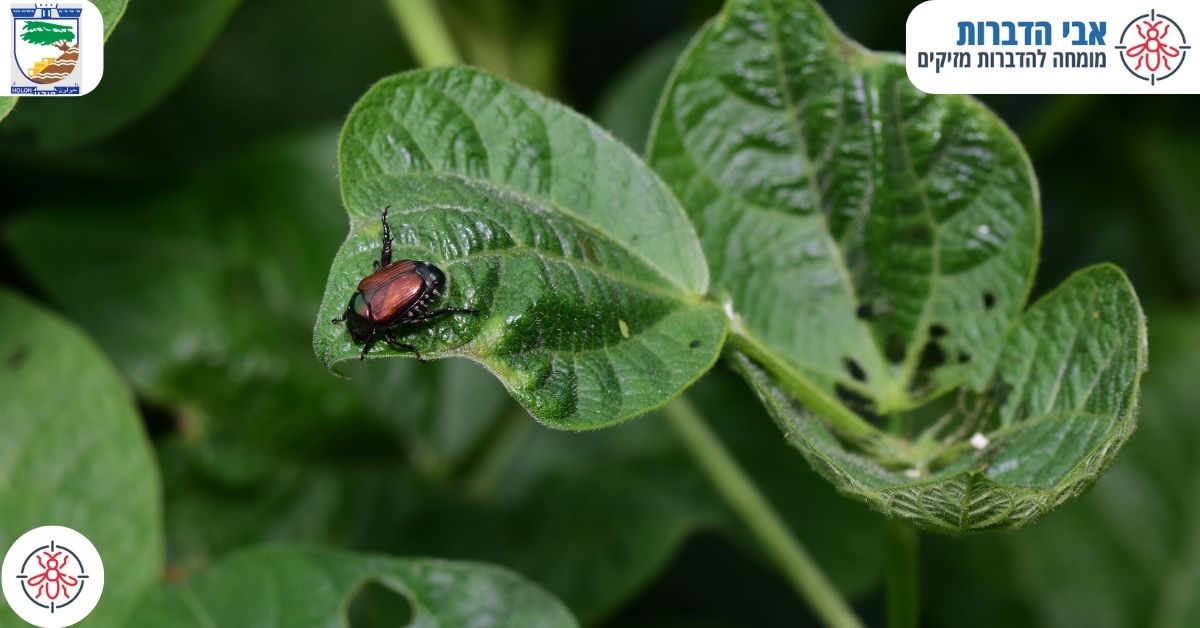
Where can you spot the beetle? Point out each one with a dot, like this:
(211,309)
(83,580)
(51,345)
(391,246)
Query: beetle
(394,294)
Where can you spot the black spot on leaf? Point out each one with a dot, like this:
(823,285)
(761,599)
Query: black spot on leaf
(963,357)
(695,344)
(989,300)
(937,331)
(865,312)
(854,368)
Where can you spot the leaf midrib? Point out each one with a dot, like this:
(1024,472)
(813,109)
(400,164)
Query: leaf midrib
(435,169)
(677,295)
(792,113)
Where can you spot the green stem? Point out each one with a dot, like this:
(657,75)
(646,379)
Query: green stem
(764,523)
(840,418)
(496,449)
(900,572)
(425,31)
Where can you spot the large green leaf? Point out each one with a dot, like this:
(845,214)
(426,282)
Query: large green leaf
(585,272)
(202,291)
(635,490)
(238,255)
(157,44)
(1060,400)
(1125,555)
(873,246)
(848,218)
(312,587)
(73,453)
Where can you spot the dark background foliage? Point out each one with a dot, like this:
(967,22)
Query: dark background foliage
(186,221)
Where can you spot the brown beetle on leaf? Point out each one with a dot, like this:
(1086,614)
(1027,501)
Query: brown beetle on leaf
(395,294)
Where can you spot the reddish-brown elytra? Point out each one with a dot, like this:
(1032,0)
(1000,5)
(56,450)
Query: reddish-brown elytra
(396,294)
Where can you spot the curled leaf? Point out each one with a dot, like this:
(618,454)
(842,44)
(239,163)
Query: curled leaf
(585,274)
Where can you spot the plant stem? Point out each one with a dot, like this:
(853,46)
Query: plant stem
(841,419)
(425,31)
(739,491)
(900,572)
(496,449)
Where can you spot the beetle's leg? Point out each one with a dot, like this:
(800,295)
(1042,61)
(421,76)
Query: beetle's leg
(385,256)
(442,312)
(367,347)
(404,346)
(340,319)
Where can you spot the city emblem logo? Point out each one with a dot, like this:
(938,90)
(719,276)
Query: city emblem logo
(53,46)
(1153,47)
(52,577)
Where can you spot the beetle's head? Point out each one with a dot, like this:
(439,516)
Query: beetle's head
(358,319)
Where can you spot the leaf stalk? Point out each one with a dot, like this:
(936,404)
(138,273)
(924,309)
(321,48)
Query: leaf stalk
(426,32)
(901,575)
(741,494)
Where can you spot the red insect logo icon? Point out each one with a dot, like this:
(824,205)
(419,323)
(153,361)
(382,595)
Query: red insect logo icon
(1153,47)
(52,583)
(52,576)
(1152,52)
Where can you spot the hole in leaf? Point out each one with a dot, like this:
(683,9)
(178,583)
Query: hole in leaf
(865,312)
(893,348)
(377,606)
(851,398)
(854,368)
(989,300)
(695,344)
(937,330)
(932,357)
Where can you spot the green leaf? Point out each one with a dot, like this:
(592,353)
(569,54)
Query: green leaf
(636,488)
(112,11)
(874,245)
(585,272)
(313,587)
(6,105)
(1059,402)
(847,217)
(1127,554)
(202,291)
(74,454)
(154,49)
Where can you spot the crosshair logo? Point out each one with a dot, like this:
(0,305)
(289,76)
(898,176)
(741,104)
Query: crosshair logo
(52,577)
(1153,47)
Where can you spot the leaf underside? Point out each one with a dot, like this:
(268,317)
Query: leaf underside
(876,246)
(586,276)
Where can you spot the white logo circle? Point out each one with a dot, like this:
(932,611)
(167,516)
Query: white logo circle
(52,576)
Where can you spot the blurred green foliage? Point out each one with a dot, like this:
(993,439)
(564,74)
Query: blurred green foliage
(193,215)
